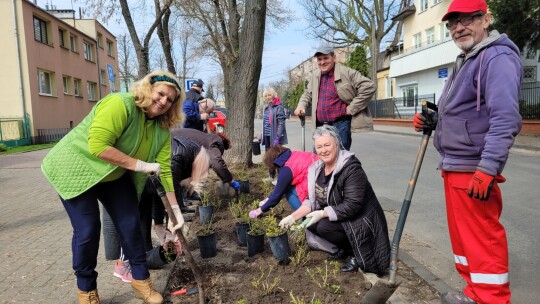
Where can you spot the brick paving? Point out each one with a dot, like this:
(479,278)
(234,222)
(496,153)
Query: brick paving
(35,241)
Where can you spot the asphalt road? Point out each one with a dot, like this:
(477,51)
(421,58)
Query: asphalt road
(388,161)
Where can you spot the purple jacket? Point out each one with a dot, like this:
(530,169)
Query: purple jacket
(478,133)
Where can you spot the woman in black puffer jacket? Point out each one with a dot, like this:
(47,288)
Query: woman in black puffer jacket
(343,215)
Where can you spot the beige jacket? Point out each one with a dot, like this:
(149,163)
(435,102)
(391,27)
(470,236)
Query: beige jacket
(352,88)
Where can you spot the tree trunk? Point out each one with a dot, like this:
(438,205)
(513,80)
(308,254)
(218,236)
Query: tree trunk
(244,82)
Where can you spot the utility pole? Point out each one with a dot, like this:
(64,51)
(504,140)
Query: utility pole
(374,51)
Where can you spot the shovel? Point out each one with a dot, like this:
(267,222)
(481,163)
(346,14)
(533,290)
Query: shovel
(189,258)
(382,290)
(303,124)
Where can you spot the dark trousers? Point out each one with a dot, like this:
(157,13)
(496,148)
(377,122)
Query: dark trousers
(332,232)
(119,198)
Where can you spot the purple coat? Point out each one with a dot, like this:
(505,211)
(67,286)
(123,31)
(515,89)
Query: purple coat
(478,133)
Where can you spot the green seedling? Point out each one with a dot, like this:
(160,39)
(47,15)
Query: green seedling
(298,300)
(207,229)
(263,282)
(321,277)
(271,226)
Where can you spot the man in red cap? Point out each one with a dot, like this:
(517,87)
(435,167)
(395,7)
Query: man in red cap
(477,122)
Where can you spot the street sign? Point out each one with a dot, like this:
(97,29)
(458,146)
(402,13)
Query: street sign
(110,72)
(443,73)
(189,82)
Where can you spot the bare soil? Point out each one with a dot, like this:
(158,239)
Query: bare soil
(233,277)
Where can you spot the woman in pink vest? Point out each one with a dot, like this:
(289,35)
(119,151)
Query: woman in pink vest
(292,168)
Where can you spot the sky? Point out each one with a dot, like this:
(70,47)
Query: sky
(283,49)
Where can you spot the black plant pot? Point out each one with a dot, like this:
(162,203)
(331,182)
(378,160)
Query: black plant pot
(256,147)
(244,186)
(207,245)
(241,232)
(255,244)
(280,246)
(155,258)
(206,213)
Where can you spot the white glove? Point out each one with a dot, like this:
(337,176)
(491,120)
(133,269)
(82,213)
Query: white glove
(287,222)
(179,219)
(147,168)
(315,217)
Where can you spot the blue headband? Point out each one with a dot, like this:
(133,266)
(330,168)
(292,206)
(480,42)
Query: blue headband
(155,79)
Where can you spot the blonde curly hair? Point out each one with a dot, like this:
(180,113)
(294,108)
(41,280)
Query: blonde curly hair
(142,93)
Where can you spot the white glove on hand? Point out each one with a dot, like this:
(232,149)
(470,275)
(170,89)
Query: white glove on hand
(147,168)
(315,217)
(179,218)
(287,222)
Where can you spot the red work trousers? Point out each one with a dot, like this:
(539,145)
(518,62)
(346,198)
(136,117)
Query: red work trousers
(478,240)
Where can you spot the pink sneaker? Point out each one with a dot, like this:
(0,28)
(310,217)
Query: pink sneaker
(122,270)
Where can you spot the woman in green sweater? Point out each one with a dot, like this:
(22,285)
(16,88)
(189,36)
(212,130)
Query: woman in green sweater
(108,156)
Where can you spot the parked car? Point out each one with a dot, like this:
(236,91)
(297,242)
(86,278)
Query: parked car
(217,121)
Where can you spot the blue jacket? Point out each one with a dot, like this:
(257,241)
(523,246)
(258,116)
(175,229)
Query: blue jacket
(478,133)
(191,109)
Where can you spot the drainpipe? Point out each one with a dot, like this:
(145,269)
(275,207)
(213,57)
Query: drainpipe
(16,29)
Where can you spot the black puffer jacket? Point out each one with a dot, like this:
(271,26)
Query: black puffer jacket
(353,203)
(183,153)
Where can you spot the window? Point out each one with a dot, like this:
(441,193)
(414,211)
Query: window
(110,50)
(444,33)
(66,80)
(423,5)
(430,35)
(73,42)
(45,82)
(436,2)
(102,77)
(62,37)
(99,40)
(77,87)
(417,40)
(40,30)
(410,96)
(92,90)
(88,51)
(529,74)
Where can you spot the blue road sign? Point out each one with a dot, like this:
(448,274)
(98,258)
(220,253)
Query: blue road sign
(443,73)
(110,72)
(189,82)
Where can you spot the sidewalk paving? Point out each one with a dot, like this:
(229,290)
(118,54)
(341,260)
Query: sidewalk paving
(35,235)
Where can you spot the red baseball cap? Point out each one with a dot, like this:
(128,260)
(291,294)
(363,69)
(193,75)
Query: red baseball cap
(465,6)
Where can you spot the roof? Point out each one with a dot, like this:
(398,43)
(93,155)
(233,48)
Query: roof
(406,12)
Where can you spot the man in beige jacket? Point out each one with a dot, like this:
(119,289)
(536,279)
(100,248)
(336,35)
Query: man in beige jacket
(339,96)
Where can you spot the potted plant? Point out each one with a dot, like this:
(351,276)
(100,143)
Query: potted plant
(240,214)
(242,178)
(158,257)
(278,238)
(206,237)
(255,237)
(206,208)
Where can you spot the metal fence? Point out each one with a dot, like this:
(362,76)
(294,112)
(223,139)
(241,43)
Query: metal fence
(406,107)
(403,107)
(45,136)
(15,131)
(529,100)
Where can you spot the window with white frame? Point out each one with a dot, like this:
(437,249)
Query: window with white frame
(444,33)
(66,80)
(529,74)
(92,90)
(40,30)
(45,82)
(110,50)
(423,5)
(410,96)
(99,40)
(102,77)
(430,35)
(74,43)
(88,51)
(77,87)
(417,40)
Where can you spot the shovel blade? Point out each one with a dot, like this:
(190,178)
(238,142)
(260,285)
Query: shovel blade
(380,292)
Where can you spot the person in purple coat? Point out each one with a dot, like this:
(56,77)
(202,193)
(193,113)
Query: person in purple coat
(477,122)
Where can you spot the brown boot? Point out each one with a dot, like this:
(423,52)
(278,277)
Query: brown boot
(145,290)
(88,297)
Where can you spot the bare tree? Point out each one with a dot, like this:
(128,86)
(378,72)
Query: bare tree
(127,70)
(350,22)
(164,37)
(232,33)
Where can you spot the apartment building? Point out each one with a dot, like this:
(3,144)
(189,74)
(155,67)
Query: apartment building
(429,53)
(54,70)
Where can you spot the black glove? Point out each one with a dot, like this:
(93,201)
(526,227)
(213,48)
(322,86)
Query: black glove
(422,123)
